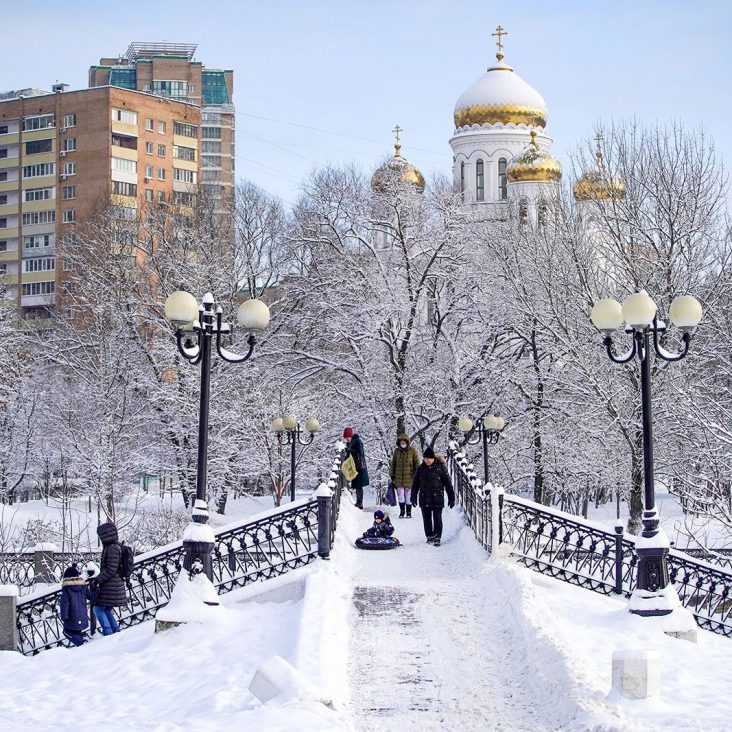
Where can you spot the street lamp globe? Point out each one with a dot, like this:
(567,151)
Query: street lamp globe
(465,424)
(607,315)
(500,423)
(312,425)
(289,421)
(490,422)
(639,310)
(181,308)
(253,315)
(686,312)
(277,425)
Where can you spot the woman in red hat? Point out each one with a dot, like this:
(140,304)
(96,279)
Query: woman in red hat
(354,448)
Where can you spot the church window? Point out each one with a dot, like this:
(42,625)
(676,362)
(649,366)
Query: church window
(523,211)
(479,182)
(462,180)
(542,212)
(502,180)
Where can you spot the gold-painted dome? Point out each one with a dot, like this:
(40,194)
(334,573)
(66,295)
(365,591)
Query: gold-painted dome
(397,169)
(534,166)
(599,184)
(500,96)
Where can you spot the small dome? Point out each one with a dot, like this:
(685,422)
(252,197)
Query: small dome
(599,184)
(397,169)
(534,166)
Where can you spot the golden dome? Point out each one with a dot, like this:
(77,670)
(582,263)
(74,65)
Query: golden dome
(599,184)
(397,169)
(500,96)
(534,166)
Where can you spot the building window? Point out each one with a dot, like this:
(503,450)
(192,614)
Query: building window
(149,124)
(184,153)
(39,170)
(149,148)
(3,152)
(124,166)
(148,194)
(210,176)
(38,194)
(124,115)
(3,199)
(161,173)
(38,288)
(479,181)
(502,180)
(70,144)
(45,264)
(70,168)
(38,146)
(3,223)
(184,130)
(69,120)
(161,127)
(161,151)
(523,211)
(3,175)
(3,245)
(542,213)
(69,215)
(212,118)
(148,171)
(211,161)
(3,129)
(128,143)
(211,133)
(38,241)
(39,217)
(210,146)
(462,180)
(120,188)
(175,89)
(184,176)
(40,122)
(161,196)
(183,199)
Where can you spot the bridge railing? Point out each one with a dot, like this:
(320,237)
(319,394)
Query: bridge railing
(273,544)
(581,552)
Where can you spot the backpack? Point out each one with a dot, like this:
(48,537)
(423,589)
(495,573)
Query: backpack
(126,562)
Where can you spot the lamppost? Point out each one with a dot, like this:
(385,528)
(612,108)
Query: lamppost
(652,595)
(488,429)
(196,326)
(289,432)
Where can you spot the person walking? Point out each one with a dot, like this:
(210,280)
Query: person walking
(431,481)
(74,613)
(403,466)
(109,587)
(354,449)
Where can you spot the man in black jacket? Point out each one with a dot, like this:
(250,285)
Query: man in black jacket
(428,488)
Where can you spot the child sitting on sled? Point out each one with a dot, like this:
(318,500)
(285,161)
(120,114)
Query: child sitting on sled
(382,526)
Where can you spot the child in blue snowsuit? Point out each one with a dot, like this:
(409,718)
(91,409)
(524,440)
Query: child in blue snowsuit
(382,526)
(74,596)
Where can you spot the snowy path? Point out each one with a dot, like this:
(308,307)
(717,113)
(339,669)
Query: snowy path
(431,648)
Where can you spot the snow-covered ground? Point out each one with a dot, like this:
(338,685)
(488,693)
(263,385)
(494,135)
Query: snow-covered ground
(419,638)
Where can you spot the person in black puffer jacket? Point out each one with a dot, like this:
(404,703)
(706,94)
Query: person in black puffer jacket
(74,613)
(431,481)
(109,587)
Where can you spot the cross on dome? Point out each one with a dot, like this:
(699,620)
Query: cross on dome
(598,153)
(397,146)
(500,33)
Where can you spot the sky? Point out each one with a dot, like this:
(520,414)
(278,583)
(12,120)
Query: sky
(324,81)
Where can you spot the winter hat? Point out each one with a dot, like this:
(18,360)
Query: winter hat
(379,514)
(91,570)
(348,432)
(428,452)
(72,571)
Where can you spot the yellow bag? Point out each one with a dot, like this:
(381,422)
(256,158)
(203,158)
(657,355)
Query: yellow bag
(348,468)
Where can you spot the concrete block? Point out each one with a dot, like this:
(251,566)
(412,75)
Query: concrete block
(277,677)
(8,618)
(636,673)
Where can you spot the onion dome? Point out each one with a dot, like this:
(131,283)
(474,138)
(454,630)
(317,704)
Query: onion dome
(599,184)
(500,96)
(534,166)
(397,170)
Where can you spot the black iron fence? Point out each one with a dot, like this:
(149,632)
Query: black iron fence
(577,551)
(284,540)
(27,569)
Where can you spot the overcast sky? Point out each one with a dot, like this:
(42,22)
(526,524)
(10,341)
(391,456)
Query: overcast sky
(353,69)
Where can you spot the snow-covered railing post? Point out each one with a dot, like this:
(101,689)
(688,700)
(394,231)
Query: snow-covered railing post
(619,558)
(496,518)
(43,564)
(8,618)
(324,496)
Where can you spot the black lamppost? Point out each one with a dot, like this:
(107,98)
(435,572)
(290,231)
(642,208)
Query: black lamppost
(487,429)
(652,594)
(196,326)
(289,432)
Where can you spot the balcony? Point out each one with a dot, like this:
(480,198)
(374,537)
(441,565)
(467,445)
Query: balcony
(34,301)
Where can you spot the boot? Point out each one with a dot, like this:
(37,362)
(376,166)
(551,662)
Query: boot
(409,510)
(401,510)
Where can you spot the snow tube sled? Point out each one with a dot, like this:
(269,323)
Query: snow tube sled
(377,542)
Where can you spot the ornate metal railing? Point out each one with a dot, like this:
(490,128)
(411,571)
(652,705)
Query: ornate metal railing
(577,551)
(26,569)
(285,539)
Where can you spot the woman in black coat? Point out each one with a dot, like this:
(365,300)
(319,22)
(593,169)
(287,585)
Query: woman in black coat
(109,588)
(354,448)
(431,481)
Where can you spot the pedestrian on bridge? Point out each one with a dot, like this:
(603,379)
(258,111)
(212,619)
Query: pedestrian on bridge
(109,587)
(403,466)
(431,482)
(354,449)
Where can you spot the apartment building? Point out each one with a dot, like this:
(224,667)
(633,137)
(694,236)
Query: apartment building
(64,154)
(169,70)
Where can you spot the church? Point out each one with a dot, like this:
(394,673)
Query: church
(502,157)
